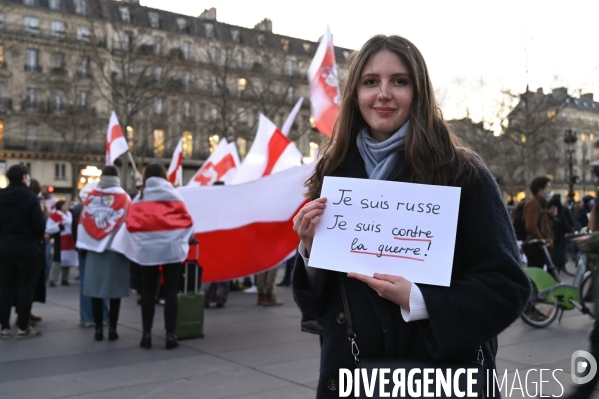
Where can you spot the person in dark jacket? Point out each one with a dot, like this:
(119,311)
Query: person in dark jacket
(390,128)
(21,233)
(561,227)
(582,215)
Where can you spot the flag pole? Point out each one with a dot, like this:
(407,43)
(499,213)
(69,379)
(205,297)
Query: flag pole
(132,162)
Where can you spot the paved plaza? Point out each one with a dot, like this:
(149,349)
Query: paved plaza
(248,352)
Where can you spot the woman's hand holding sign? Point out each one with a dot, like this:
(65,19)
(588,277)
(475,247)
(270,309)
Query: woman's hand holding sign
(304,223)
(394,288)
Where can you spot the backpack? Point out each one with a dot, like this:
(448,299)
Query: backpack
(518,222)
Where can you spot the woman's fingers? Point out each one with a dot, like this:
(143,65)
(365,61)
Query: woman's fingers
(394,288)
(305,220)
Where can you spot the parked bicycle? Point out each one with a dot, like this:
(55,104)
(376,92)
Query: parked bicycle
(551,296)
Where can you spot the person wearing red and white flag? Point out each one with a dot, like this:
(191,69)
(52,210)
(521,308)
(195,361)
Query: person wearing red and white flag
(175,169)
(116,144)
(157,231)
(65,256)
(221,165)
(324,86)
(106,272)
(271,152)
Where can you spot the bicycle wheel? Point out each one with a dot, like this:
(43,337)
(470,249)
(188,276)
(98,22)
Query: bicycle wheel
(539,314)
(571,264)
(587,295)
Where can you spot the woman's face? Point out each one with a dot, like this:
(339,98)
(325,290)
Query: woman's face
(385,93)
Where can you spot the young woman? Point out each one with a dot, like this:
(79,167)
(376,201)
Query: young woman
(390,128)
(157,232)
(106,273)
(59,226)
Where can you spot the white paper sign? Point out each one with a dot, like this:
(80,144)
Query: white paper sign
(378,226)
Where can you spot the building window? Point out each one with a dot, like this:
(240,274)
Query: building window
(186,50)
(80,6)
(32,26)
(158,46)
(241,84)
(58,96)
(125,16)
(158,142)
(32,98)
(32,136)
(186,109)
(83,98)
(182,24)
(158,73)
(209,29)
(285,44)
(241,147)
(214,83)
(214,54)
(57,60)
(60,171)
(187,144)
(158,106)
(54,4)
(291,94)
(213,113)
(84,66)
(260,39)
(289,67)
(130,137)
(187,80)
(154,20)
(213,142)
(32,60)
(1,21)
(240,57)
(235,35)
(29,2)
(83,33)
(58,30)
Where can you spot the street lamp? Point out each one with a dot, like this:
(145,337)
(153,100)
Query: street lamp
(570,140)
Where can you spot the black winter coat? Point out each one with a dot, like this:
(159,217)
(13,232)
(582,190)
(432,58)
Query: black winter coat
(488,292)
(21,222)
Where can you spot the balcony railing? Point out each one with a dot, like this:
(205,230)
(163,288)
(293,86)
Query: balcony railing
(57,145)
(33,68)
(34,106)
(59,71)
(5,104)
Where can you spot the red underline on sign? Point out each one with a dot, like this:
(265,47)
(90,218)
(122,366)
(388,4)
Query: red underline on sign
(412,239)
(391,256)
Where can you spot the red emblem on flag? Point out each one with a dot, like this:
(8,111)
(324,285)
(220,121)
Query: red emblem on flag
(102,213)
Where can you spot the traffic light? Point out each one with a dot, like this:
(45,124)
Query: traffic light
(50,189)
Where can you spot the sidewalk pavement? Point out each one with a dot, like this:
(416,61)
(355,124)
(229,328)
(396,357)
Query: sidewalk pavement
(248,351)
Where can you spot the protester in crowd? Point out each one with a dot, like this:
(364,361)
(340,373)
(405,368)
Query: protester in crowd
(561,226)
(583,213)
(538,220)
(59,226)
(265,283)
(107,271)
(157,232)
(390,128)
(21,234)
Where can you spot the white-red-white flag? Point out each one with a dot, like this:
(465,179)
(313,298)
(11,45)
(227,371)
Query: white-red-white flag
(175,169)
(243,237)
(221,165)
(271,152)
(116,144)
(291,118)
(324,86)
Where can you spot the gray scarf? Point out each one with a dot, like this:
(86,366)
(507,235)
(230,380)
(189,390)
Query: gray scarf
(381,158)
(109,181)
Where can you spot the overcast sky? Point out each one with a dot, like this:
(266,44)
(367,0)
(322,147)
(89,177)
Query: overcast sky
(461,40)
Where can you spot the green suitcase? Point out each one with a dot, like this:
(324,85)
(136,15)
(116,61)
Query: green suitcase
(190,314)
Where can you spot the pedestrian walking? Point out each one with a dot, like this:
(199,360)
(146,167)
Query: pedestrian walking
(390,128)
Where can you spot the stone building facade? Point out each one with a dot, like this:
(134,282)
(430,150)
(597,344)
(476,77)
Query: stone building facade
(66,64)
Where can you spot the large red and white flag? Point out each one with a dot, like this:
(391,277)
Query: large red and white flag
(291,118)
(324,86)
(175,169)
(102,214)
(271,152)
(56,220)
(221,165)
(241,238)
(116,144)
(157,228)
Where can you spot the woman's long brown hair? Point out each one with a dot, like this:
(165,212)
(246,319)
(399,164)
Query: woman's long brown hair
(433,154)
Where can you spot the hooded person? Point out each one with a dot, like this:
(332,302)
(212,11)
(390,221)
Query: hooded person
(107,271)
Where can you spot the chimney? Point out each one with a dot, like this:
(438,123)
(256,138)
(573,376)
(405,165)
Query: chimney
(587,96)
(265,25)
(560,92)
(209,14)
(540,90)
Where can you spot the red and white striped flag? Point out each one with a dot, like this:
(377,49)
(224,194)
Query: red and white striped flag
(68,254)
(175,169)
(220,165)
(116,144)
(324,86)
(157,228)
(291,118)
(102,214)
(270,153)
(241,238)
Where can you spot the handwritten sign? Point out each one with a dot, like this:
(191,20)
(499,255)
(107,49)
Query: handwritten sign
(377,226)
